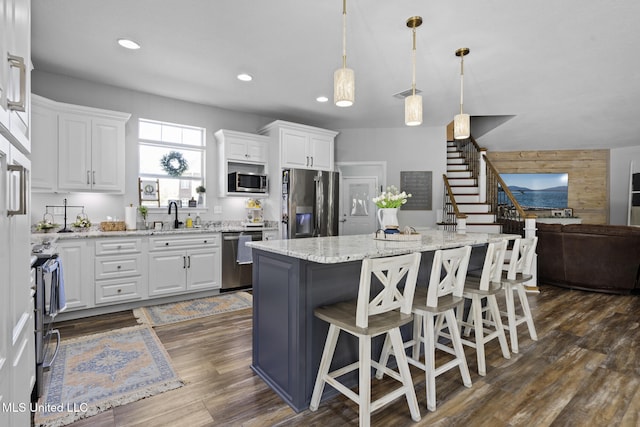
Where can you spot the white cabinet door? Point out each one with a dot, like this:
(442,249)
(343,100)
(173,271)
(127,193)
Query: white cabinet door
(321,152)
(257,151)
(77,265)
(203,269)
(44,143)
(5,34)
(16,61)
(107,155)
(74,152)
(294,149)
(167,272)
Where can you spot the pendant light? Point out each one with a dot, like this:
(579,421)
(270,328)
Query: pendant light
(344,86)
(413,102)
(461,122)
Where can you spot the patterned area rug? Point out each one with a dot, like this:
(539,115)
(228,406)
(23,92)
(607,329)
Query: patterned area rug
(163,314)
(96,372)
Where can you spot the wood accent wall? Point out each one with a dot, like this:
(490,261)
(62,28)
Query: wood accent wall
(588,176)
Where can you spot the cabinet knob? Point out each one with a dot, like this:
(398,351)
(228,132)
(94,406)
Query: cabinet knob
(119,247)
(205,241)
(119,290)
(119,267)
(166,243)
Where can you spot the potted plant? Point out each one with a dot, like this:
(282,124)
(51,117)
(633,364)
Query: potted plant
(200,190)
(144,211)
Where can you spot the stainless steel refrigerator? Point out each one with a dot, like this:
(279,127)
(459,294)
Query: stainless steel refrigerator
(309,203)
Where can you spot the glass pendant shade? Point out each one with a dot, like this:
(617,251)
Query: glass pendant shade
(461,126)
(413,110)
(344,87)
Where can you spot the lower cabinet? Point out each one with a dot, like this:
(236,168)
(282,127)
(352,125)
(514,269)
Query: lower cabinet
(111,270)
(78,273)
(182,264)
(119,270)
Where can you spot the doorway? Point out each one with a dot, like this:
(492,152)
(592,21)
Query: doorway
(360,182)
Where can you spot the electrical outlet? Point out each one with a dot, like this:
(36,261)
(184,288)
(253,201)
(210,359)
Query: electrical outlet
(217,209)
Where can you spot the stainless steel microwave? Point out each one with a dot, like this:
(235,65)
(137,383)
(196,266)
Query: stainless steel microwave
(244,182)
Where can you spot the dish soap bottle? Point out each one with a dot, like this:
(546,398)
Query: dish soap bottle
(198,221)
(189,223)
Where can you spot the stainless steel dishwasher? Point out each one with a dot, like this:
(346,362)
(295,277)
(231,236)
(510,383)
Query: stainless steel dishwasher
(234,274)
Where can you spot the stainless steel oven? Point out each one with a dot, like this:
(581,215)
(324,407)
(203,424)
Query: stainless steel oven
(47,304)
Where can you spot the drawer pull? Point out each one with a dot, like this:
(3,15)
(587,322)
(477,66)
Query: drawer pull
(119,267)
(119,290)
(166,244)
(119,247)
(205,241)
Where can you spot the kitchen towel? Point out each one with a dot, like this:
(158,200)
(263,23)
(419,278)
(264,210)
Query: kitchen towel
(244,252)
(130,217)
(57,299)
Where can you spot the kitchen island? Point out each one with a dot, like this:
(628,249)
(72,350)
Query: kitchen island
(293,277)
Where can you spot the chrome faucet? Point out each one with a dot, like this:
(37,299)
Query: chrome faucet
(176,223)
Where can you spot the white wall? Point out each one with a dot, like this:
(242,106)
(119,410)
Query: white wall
(620,159)
(418,148)
(141,105)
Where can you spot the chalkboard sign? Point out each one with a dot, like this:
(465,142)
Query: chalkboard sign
(419,184)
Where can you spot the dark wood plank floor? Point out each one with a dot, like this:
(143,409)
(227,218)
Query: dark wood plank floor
(583,371)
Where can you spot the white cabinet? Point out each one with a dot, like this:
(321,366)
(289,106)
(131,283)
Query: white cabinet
(270,235)
(76,256)
(240,152)
(44,137)
(242,146)
(179,264)
(120,270)
(77,148)
(91,153)
(301,146)
(15,80)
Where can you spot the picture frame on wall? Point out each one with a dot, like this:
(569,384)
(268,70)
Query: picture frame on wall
(568,212)
(557,213)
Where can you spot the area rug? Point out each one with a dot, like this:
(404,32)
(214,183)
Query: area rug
(96,372)
(163,314)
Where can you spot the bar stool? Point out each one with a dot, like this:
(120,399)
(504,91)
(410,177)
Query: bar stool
(366,318)
(486,287)
(431,309)
(515,273)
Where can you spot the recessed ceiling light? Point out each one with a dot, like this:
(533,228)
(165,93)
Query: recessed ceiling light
(244,77)
(129,44)
(322,99)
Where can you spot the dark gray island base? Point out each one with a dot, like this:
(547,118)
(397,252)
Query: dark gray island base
(287,339)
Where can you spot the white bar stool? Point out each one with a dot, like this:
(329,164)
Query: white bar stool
(366,318)
(517,273)
(431,309)
(478,289)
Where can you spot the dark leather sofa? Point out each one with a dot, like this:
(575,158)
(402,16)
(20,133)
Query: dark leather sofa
(604,258)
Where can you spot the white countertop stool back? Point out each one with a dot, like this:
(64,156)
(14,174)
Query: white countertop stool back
(515,274)
(489,327)
(431,310)
(366,318)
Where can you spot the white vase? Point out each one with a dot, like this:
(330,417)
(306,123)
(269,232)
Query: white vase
(388,218)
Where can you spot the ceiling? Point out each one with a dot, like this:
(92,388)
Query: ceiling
(567,71)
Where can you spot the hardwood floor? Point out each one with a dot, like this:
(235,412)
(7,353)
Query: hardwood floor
(583,370)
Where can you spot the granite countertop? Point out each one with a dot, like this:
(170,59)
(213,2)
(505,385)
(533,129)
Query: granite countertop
(94,233)
(337,249)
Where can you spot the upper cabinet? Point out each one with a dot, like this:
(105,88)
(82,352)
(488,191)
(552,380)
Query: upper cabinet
(15,72)
(241,152)
(301,146)
(89,145)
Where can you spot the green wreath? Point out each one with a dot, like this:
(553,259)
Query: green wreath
(174,164)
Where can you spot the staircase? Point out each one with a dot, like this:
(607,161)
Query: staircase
(467,195)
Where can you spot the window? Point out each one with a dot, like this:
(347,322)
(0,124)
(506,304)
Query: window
(186,144)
